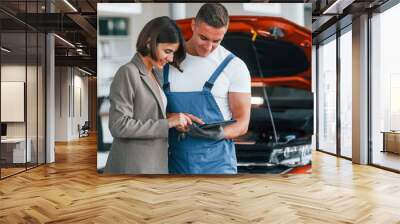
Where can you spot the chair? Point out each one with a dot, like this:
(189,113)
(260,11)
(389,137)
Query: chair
(84,130)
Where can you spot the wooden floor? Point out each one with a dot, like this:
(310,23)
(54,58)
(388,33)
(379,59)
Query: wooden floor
(71,191)
(10,171)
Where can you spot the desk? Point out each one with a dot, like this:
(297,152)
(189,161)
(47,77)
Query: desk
(13,150)
(391,141)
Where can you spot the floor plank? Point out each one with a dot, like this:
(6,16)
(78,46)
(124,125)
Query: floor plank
(71,191)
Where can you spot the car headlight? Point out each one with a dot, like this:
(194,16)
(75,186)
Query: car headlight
(292,155)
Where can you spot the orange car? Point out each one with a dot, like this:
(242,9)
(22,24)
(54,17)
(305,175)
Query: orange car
(277,53)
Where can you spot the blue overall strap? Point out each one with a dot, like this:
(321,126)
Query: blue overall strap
(210,83)
(165,75)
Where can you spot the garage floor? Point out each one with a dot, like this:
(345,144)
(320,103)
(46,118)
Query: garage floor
(71,191)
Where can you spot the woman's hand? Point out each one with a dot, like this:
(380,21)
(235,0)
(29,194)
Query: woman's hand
(182,121)
(177,120)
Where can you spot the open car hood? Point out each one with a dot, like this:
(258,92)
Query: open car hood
(276,51)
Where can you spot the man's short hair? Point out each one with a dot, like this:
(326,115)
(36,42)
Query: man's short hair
(214,14)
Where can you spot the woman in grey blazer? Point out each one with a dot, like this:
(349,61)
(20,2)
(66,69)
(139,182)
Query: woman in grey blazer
(138,120)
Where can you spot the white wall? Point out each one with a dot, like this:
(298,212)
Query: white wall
(116,51)
(14,73)
(33,126)
(61,104)
(68,82)
(80,84)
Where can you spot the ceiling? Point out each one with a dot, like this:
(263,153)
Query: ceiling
(76,22)
(78,27)
(330,15)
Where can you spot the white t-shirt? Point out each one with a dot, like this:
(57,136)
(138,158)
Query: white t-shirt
(163,97)
(197,70)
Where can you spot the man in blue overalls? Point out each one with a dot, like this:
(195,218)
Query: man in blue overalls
(214,86)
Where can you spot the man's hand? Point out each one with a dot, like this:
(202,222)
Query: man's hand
(240,105)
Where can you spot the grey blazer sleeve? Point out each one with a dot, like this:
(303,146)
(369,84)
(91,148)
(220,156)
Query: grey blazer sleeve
(122,122)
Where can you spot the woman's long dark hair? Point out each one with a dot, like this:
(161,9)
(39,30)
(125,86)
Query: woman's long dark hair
(161,30)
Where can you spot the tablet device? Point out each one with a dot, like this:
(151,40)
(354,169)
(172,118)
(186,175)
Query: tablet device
(216,124)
